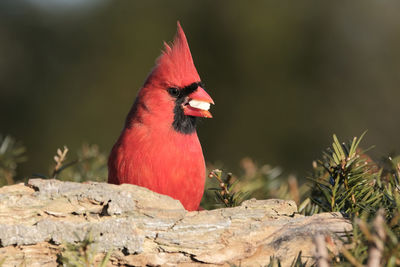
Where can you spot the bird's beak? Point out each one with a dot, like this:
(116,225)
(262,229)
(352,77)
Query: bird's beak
(198,104)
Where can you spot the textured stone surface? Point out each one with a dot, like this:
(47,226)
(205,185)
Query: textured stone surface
(145,228)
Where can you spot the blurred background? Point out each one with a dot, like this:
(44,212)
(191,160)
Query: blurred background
(284,76)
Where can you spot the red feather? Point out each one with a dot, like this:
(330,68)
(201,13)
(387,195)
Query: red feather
(149,151)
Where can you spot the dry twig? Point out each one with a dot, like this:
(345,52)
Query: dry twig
(59,159)
(321,254)
(377,245)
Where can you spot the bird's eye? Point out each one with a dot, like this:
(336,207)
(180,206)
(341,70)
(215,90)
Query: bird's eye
(173,91)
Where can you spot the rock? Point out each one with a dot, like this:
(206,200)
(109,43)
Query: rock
(145,228)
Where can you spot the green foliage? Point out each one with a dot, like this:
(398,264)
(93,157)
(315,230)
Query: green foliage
(225,194)
(345,180)
(82,254)
(378,235)
(255,182)
(90,164)
(12,153)
(267,182)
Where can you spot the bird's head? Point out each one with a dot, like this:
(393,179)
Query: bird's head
(175,84)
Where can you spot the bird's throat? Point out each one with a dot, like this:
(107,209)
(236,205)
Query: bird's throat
(183,123)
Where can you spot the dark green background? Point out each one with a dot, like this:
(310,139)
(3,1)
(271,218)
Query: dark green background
(284,75)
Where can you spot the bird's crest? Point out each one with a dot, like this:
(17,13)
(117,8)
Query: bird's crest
(175,65)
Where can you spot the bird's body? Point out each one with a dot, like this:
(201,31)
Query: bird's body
(158,147)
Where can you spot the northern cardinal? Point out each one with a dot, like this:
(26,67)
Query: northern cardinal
(158,147)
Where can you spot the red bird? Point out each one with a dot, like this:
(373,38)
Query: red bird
(158,147)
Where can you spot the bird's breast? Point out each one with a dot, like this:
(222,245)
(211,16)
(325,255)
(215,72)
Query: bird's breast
(166,162)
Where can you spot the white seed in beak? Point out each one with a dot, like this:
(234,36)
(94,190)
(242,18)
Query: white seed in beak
(199,104)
